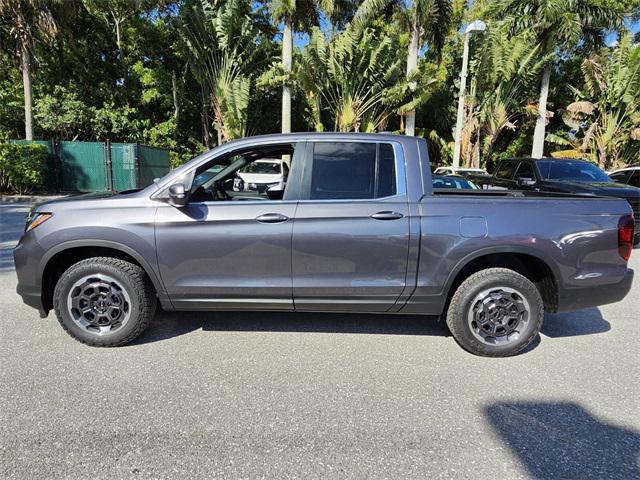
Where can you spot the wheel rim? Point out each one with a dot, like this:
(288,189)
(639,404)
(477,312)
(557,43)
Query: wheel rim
(99,304)
(498,315)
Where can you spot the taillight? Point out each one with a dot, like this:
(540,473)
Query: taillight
(625,236)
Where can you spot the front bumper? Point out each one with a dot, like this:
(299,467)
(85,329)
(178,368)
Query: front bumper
(26,256)
(32,298)
(595,295)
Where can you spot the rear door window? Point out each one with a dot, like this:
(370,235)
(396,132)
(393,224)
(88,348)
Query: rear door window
(506,170)
(620,177)
(525,170)
(352,170)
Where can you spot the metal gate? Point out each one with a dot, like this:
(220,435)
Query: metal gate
(124,166)
(100,167)
(83,167)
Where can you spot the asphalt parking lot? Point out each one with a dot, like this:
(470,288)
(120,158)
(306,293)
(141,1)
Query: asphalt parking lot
(265,395)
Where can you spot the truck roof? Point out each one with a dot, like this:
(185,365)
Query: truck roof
(299,136)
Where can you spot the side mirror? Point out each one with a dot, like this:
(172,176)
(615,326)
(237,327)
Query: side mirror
(178,195)
(526,182)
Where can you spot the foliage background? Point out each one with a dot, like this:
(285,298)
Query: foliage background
(187,75)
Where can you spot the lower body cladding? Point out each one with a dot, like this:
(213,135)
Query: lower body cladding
(104,301)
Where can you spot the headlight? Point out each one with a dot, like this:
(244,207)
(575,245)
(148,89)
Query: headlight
(36,218)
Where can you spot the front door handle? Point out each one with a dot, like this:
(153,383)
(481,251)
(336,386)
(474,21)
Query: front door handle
(387,215)
(272,218)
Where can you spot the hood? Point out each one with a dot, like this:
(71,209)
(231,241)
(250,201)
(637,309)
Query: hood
(260,177)
(83,197)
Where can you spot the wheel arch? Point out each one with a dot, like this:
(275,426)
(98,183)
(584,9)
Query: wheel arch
(58,259)
(533,264)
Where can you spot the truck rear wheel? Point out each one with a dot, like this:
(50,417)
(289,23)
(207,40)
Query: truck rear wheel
(104,302)
(495,313)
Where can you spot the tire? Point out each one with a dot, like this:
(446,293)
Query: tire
(495,313)
(104,301)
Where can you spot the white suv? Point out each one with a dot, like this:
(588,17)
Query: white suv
(262,175)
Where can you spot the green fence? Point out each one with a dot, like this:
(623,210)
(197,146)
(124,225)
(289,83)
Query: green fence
(124,166)
(83,167)
(153,163)
(100,167)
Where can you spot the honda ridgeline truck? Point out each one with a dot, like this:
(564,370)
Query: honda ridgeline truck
(357,228)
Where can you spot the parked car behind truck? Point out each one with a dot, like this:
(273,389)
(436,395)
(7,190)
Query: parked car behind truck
(478,175)
(357,228)
(565,176)
(262,175)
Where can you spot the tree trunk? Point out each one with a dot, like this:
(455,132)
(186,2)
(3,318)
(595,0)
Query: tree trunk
(60,52)
(116,22)
(206,136)
(287,64)
(25,65)
(538,135)
(412,65)
(174,91)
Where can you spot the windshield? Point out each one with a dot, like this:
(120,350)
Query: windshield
(571,171)
(262,167)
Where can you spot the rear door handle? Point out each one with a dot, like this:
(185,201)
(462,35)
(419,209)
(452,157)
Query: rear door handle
(387,215)
(272,218)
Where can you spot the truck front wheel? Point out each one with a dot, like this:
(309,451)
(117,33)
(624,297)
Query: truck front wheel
(104,301)
(495,313)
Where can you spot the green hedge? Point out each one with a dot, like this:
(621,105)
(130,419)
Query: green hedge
(22,167)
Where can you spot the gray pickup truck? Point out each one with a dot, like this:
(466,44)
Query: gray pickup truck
(357,228)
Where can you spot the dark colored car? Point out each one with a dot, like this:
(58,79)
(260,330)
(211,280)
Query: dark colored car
(565,176)
(358,227)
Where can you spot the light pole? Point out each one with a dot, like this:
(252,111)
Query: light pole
(475,26)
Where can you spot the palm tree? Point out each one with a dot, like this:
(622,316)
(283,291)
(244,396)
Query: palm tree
(559,26)
(351,77)
(427,20)
(224,48)
(29,22)
(605,118)
(506,69)
(300,14)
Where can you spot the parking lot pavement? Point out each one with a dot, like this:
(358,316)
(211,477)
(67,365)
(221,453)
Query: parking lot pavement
(247,395)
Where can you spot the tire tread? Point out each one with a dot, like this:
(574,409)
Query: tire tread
(142,289)
(456,312)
